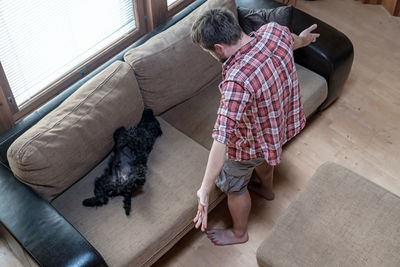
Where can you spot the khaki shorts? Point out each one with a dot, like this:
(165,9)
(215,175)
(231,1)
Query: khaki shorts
(235,175)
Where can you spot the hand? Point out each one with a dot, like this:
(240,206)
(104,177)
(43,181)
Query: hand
(307,36)
(201,217)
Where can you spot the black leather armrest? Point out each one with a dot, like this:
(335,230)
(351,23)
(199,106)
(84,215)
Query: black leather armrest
(40,229)
(331,56)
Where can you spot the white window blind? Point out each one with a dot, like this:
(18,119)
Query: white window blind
(41,40)
(170,2)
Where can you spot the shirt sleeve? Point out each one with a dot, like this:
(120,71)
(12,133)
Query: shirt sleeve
(234,101)
(281,33)
(287,36)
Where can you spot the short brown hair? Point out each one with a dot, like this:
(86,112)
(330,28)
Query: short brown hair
(216,26)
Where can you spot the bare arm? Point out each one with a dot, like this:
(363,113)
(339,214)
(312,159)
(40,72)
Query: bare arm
(215,163)
(305,38)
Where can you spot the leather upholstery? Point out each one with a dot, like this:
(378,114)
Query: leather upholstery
(40,229)
(255,18)
(46,235)
(331,56)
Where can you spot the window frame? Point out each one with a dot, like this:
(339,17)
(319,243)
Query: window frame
(177,6)
(158,11)
(6,108)
(76,73)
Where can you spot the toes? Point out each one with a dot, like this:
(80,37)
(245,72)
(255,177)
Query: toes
(211,236)
(210,232)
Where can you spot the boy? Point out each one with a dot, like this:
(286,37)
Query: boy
(260,110)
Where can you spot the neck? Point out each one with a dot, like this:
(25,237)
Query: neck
(244,39)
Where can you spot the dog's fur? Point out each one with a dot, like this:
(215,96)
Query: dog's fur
(127,166)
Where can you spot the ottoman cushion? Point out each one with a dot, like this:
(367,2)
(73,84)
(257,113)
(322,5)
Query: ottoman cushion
(338,219)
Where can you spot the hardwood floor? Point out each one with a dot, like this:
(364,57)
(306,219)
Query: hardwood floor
(11,253)
(361,131)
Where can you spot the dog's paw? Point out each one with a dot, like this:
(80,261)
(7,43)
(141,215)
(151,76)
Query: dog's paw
(95,201)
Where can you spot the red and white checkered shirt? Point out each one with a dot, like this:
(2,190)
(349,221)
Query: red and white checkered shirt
(260,108)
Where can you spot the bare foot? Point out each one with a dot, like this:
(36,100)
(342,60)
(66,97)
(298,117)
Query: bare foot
(261,190)
(223,237)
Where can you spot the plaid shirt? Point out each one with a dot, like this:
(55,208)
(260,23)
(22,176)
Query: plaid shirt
(260,108)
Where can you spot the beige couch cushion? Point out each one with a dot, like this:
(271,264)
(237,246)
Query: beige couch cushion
(169,67)
(161,213)
(313,88)
(196,116)
(73,138)
(338,219)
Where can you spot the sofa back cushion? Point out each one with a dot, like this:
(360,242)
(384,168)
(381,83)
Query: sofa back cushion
(73,138)
(252,19)
(169,67)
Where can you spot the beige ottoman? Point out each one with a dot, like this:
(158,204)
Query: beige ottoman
(338,219)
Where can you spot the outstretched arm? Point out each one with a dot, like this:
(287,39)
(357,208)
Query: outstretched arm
(215,163)
(305,38)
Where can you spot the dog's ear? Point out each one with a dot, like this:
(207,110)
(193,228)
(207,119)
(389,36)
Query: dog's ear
(147,114)
(118,132)
(156,130)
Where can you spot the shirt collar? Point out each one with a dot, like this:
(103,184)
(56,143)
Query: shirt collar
(239,53)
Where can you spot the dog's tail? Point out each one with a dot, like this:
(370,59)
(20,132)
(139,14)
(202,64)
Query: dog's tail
(95,201)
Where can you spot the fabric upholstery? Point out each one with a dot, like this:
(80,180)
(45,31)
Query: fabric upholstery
(252,19)
(196,116)
(73,138)
(338,219)
(169,67)
(313,88)
(161,211)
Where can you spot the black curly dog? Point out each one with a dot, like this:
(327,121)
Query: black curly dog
(126,171)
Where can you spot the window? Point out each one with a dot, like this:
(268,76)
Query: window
(170,2)
(174,6)
(44,39)
(42,42)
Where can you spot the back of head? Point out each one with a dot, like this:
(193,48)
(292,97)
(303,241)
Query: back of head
(216,26)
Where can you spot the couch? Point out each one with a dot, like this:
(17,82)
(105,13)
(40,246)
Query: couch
(179,81)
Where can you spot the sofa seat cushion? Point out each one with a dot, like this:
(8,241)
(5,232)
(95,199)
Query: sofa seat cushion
(162,212)
(196,116)
(338,219)
(73,138)
(169,67)
(313,89)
